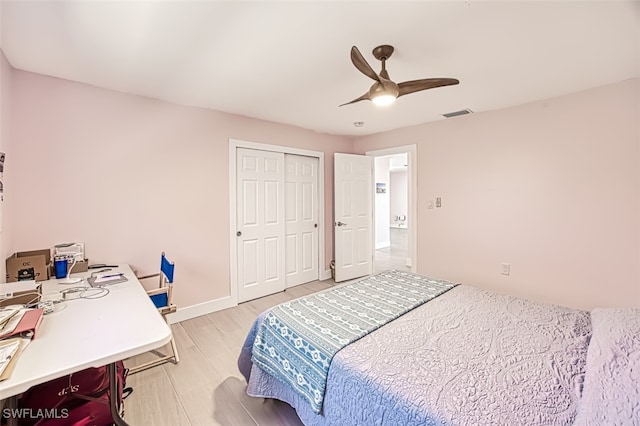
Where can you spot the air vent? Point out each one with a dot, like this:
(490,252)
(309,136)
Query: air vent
(457,113)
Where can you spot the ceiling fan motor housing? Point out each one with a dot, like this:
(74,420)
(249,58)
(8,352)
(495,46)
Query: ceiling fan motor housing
(388,88)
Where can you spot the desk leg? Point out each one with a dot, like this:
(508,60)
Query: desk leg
(113,389)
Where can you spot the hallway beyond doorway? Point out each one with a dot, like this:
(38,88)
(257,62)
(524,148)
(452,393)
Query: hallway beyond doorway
(395,256)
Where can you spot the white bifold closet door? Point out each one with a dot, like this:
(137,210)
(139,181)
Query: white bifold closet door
(301,219)
(277,218)
(260,222)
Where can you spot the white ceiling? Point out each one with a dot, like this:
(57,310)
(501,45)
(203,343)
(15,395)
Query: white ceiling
(288,62)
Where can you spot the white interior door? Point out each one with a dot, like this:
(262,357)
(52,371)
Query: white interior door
(353,216)
(301,219)
(260,223)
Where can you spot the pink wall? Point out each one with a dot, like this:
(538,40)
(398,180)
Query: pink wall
(130,177)
(552,187)
(5,95)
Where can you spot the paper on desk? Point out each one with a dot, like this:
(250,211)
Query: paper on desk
(7,369)
(12,323)
(7,351)
(6,314)
(10,288)
(107,279)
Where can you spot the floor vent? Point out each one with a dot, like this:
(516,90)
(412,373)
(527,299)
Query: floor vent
(457,113)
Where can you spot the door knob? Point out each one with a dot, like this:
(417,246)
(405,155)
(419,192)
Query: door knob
(341,224)
(238,233)
(315,225)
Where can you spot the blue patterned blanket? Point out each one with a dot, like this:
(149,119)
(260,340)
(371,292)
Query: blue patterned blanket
(297,340)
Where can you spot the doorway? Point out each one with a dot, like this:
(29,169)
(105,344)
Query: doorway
(394,208)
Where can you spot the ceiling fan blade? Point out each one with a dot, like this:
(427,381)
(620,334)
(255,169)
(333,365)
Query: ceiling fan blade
(364,97)
(362,65)
(427,83)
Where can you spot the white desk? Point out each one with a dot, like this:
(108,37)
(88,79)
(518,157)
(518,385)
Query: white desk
(86,333)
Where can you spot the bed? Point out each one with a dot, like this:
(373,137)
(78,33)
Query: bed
(471,356)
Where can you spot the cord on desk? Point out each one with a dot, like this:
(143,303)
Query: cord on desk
(98,293)
(74,293)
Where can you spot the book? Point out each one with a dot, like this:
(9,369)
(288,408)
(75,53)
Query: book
(6,314)
(27,326)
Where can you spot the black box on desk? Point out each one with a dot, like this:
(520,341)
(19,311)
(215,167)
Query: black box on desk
(29,265)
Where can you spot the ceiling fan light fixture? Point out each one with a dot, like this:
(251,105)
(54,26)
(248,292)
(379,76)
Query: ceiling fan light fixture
(385,91)
(384,100)
(383,94)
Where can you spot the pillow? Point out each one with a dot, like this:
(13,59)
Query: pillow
(611,393)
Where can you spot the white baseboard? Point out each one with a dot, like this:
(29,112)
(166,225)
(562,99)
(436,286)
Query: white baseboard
(183,314)
(186,313)
(383,244)
(325,275)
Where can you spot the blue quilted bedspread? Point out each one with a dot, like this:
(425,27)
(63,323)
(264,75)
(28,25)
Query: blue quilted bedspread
(297,340)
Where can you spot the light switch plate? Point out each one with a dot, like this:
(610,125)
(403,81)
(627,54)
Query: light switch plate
(505,268)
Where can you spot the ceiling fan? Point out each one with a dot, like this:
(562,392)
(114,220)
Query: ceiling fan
(384,91)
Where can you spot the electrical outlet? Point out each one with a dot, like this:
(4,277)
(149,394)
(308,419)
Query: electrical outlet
(438,202)
(505,268)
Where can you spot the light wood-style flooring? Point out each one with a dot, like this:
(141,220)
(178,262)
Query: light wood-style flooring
(206,388)
(395,256)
